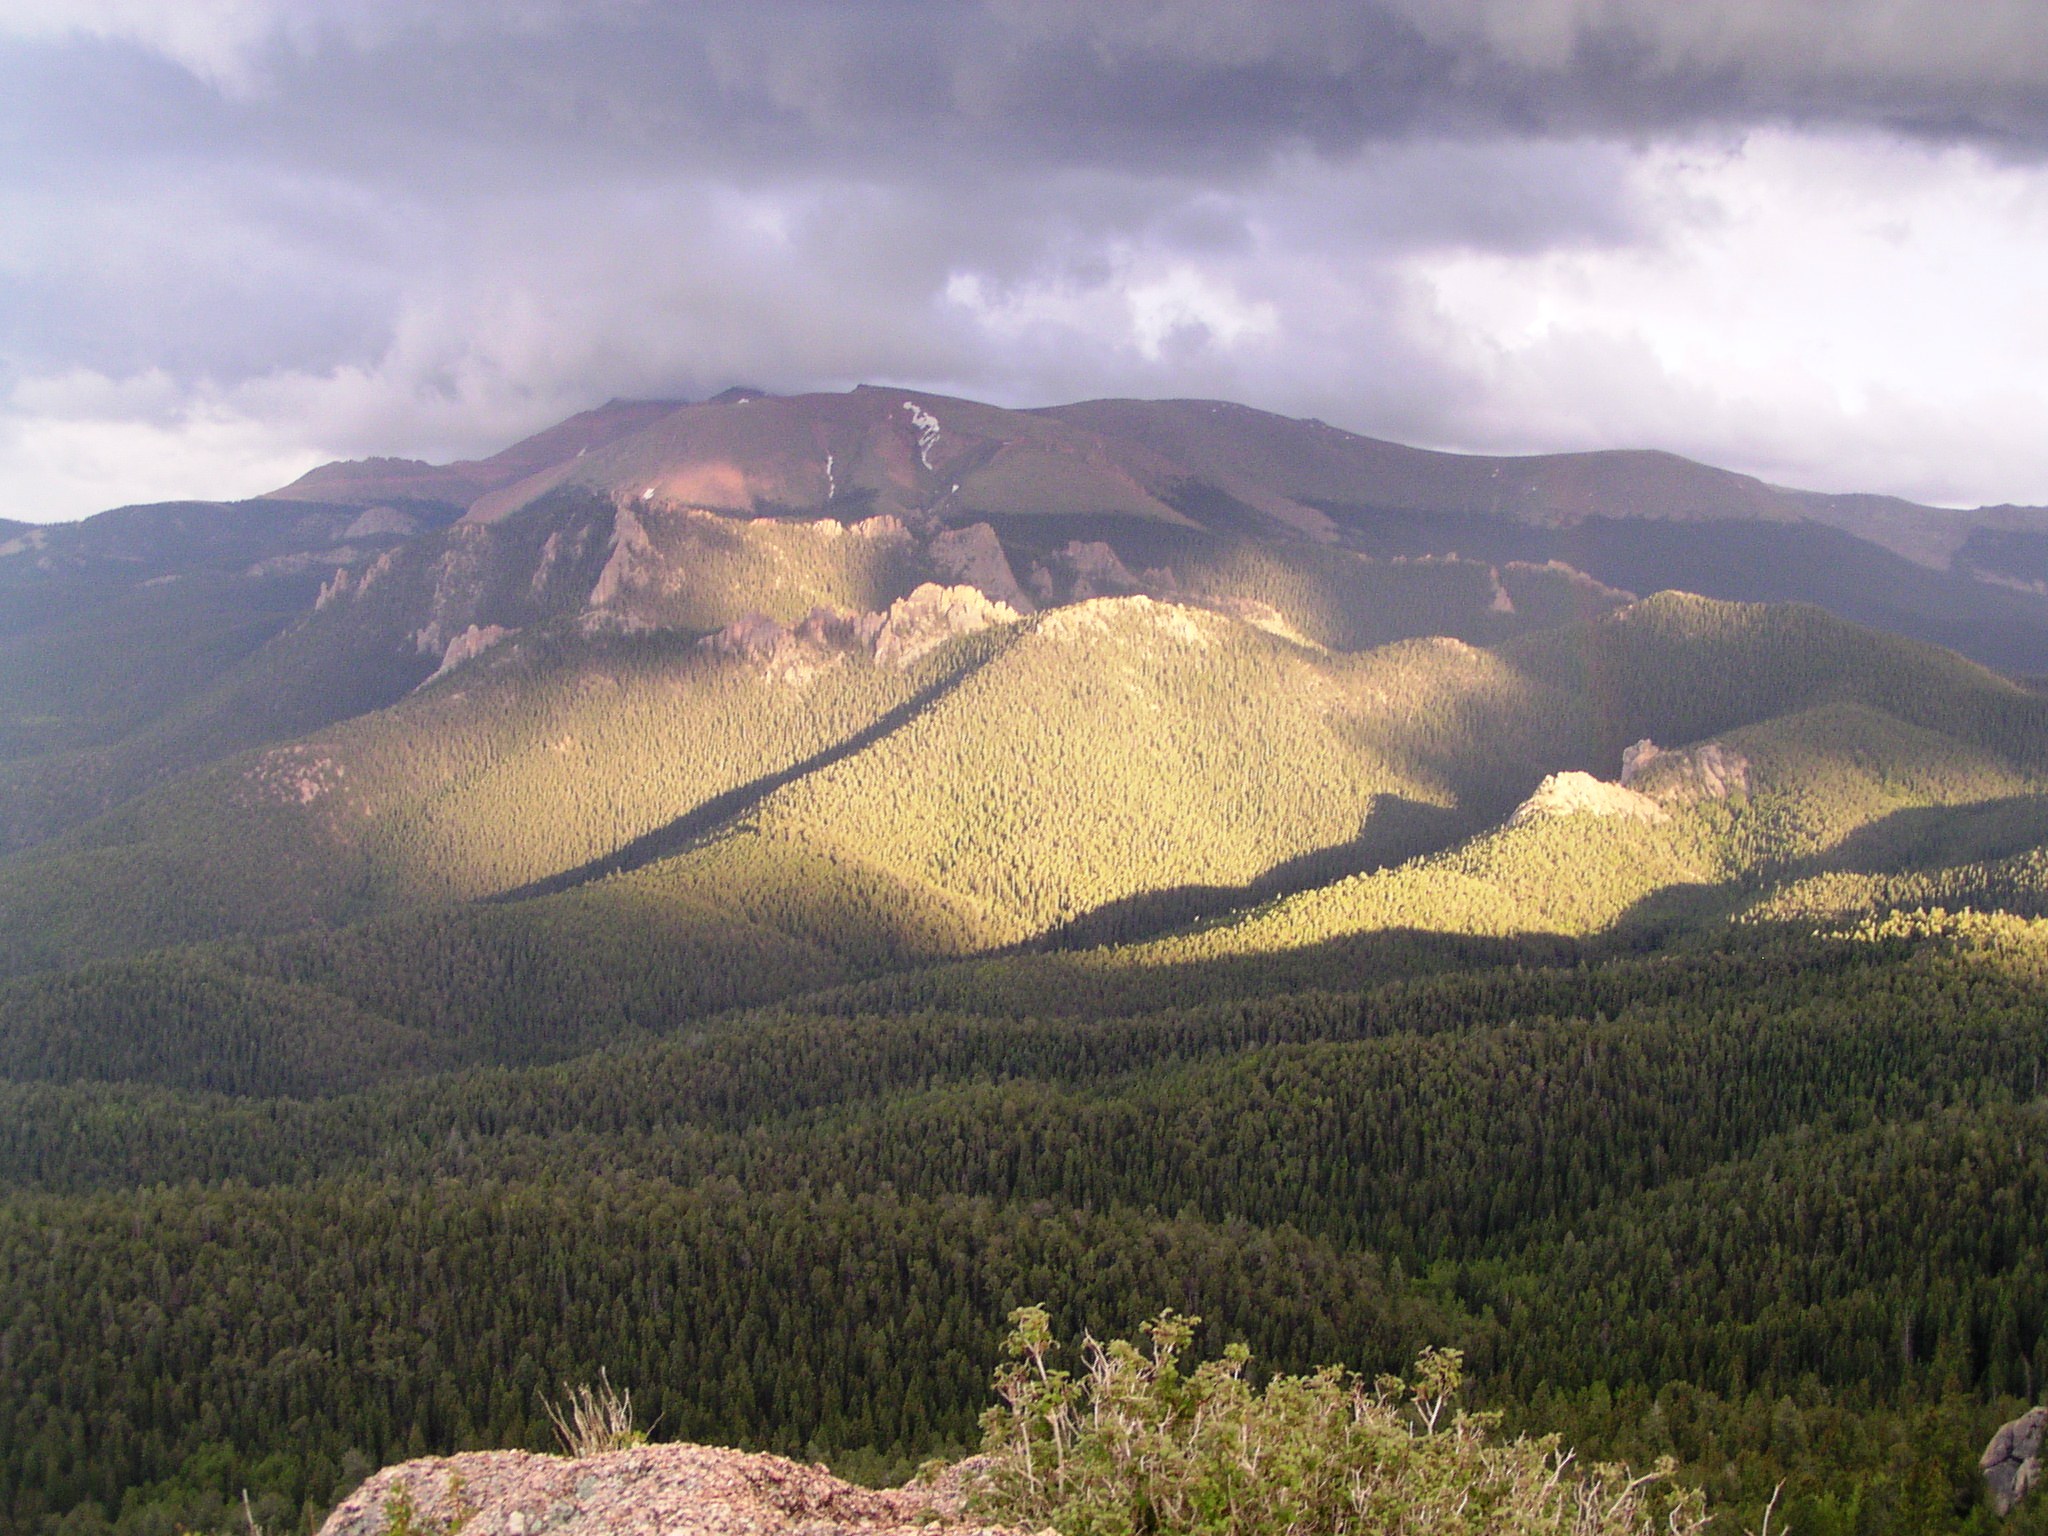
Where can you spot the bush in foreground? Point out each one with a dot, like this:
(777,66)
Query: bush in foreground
(1135,1444)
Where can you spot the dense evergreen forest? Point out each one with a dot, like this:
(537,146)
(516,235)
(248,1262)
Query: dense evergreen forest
(1774,1205)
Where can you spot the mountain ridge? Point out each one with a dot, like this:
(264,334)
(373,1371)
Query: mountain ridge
(369,481)
(1181,438)
(1146,479)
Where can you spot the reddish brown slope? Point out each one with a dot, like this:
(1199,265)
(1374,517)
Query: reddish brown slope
(365,482)
(934,459)
(916,455)
(1249,452)
(1313,462)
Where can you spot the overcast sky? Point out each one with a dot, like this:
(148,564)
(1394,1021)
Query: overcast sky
(1803,238)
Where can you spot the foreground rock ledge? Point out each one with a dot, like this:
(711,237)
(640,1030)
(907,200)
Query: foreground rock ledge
(659,1490)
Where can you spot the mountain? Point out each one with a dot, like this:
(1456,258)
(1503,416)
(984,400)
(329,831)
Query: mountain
(649,514)
(371,482)
(909,451)
(746,895)
(1318,466)
(1640,521)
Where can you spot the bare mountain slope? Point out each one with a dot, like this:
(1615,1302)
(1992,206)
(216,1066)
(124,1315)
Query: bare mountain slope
(1321,467)
(366,482)
(919,456)
(933,456)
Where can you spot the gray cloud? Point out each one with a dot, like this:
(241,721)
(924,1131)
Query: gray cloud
(1197,85)
(345,226)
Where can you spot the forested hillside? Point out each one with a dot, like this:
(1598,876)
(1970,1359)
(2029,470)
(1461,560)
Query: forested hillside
(1632,1047)
(979,762)
(1627,1187)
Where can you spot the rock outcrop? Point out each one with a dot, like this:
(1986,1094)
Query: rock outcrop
(633,559)
(382,522)
(656,1490)
(907,630)
(1580,794)
(758,638)
(1710,771)
(469,645)
(973,556)
(1654,782)
(932,615)
(2012,1461)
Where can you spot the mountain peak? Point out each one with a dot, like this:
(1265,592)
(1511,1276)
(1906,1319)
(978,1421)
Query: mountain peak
(366,482)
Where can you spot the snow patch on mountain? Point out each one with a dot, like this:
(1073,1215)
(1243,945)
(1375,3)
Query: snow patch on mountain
(927,426)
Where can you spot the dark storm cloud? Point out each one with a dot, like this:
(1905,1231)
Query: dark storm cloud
(365,225)
(1198,87)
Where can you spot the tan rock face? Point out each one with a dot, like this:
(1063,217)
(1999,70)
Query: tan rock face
(932,615)
(1580,794)
(656,1490)
(909,629)
(470,644)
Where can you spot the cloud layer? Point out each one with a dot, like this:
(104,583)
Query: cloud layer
(240,236)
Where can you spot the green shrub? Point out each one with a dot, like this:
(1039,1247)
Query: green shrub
(1135,1444)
